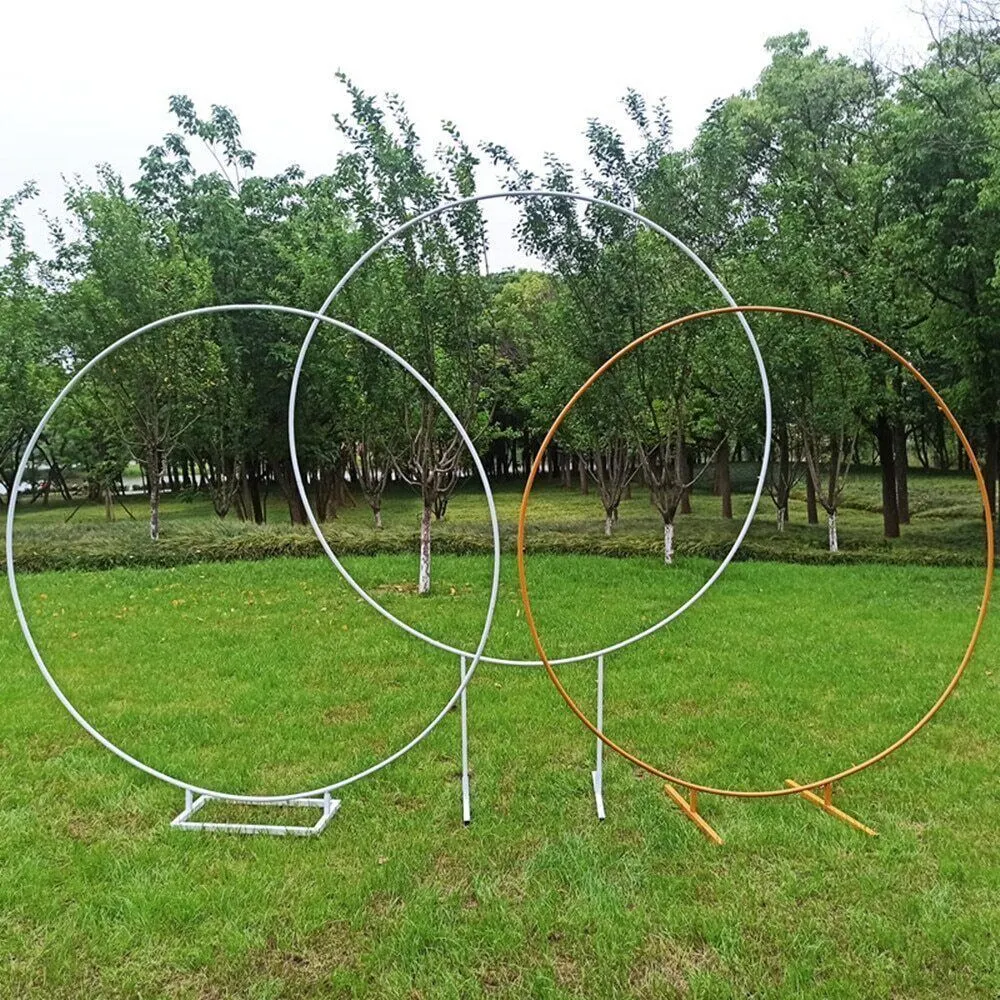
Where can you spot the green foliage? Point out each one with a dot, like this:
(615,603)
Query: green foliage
(827,184)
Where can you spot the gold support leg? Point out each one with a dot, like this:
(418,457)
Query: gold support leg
(690,809)
(826,804)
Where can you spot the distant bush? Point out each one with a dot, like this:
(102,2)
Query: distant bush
(90,550)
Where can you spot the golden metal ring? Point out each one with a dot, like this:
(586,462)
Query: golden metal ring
(798,789)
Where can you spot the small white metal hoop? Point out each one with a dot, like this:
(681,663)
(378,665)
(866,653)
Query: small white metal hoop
(572,196)
(29,638)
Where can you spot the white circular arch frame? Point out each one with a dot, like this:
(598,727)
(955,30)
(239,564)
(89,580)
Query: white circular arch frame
(450,206)
(317,318)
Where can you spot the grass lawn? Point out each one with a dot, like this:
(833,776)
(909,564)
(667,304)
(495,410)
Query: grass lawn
(271,677)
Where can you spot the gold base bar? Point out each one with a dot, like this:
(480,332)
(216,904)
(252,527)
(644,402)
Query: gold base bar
(690,809)
(827,806)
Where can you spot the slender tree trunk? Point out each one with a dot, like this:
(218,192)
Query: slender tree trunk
(685,476)
(902,464)
(153,465)
(831,530)
(253,484)
(723,479)
(424,585)
(783,487)
(286,482)
(941,443)
(668,543)
(992,470)
(584,478)
(920,446)
(812,514)
(109,504)
(609,522)
(890,512)
(377,511)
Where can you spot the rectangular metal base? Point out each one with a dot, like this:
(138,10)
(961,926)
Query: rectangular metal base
(192,805)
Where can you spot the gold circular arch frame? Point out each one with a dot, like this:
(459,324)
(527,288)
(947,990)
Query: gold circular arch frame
(797,789)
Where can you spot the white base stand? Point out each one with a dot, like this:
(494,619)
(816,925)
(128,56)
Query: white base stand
(192,805)
(597,774)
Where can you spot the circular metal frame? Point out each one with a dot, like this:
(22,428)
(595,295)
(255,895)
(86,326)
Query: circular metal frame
(29,638)
(572,196)
(983,607)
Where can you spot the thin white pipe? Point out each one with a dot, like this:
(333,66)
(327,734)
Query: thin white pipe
(359,263)
(464,708)
(29,638)
(600,720)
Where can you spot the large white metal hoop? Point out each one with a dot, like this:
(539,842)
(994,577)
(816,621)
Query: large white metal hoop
(29,638)
(450,206)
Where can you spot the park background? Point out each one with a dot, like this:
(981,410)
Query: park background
(172,583)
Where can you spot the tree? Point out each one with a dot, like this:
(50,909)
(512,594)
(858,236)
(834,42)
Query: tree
(945,154)
(29,372)
(424,294)
(126,272)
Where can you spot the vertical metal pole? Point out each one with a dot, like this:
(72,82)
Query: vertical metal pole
(466,803)
(598,773)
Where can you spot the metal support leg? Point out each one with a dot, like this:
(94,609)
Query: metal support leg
(826,804)
(690,809)
(466,798)
(597,775)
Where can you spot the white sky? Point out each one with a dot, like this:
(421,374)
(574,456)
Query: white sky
(84,82)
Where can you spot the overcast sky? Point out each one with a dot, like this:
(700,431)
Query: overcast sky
(84,82)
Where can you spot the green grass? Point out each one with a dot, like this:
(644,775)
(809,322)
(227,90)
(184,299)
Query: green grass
(271,676)
(946,528)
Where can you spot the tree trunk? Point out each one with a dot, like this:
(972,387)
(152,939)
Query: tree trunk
(890,512)
(608,524)
(286,483)
(153,465)
(424,585)
(685,477)
(902,464)
(723,479)
(253,481)
(109,504)
(377,511)
(831,530)
(941,444)
(668,543)
(992,470)
(584,478)
(782,517)
(812,514)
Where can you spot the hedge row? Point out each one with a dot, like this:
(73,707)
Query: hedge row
(97,551)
